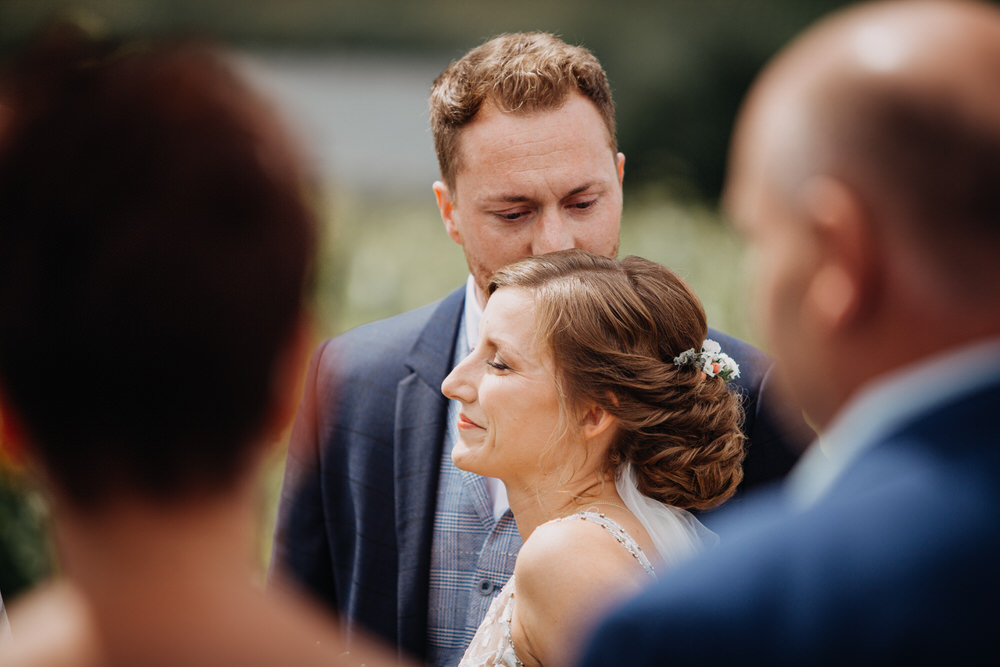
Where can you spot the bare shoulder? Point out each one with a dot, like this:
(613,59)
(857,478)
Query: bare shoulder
(52,625)
(566,575)
(567,549)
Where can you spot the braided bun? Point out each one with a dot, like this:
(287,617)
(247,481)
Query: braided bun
(614,328)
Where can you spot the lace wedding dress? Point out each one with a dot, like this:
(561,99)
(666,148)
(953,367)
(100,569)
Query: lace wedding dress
(493,644)
(675,533)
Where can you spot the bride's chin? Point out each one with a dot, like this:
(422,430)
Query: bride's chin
(459,455)
(464,458)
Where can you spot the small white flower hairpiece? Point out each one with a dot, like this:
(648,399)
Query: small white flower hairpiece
(711,360)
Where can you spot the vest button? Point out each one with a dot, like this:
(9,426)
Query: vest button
(485,587)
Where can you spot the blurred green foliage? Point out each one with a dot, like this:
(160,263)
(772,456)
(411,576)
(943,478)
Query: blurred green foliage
(25,551)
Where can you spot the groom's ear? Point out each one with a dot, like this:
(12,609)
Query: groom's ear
(446,204)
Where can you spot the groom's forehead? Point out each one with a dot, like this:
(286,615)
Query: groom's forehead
(497,130)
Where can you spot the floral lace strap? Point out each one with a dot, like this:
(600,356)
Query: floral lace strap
(614,529)
(508,656)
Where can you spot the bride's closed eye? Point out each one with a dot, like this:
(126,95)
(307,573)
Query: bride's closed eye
(497,364)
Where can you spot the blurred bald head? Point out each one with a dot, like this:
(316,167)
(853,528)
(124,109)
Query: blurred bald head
(865,172)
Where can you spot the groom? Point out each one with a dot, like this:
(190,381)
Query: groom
(865,174)
(375,519)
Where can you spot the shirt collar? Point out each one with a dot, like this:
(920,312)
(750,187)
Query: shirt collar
(473,314)
(887,404)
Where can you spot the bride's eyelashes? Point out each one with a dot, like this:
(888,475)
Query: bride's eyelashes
(497,364)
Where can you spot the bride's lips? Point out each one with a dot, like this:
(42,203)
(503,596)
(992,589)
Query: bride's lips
(465,422)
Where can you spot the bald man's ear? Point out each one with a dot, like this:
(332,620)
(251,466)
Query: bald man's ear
(447,208)
(844,287)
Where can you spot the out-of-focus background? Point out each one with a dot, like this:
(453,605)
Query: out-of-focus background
(352,76)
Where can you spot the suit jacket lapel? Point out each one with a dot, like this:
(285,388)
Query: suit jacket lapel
(420,419)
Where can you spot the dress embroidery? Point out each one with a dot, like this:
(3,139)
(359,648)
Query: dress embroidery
(493,643)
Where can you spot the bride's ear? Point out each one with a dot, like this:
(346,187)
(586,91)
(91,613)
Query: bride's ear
(596,420)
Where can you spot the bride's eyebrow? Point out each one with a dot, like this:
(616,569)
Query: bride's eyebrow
(487,341)
(493,345)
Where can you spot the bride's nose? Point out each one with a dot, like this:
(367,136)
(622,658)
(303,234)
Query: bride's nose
(460,385)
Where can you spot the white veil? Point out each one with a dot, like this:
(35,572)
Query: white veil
(675,533)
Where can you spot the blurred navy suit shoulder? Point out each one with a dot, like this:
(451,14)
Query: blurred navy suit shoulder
(895,565)
(357,508)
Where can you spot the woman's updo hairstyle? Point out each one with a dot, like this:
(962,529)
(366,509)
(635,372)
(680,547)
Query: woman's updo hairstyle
(614,328)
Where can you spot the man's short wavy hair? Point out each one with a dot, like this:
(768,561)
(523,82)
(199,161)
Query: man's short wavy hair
(517,73)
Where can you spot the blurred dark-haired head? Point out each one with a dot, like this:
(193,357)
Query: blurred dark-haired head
(154,247)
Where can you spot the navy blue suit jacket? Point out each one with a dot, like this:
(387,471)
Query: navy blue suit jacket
(896,564)
(358,501)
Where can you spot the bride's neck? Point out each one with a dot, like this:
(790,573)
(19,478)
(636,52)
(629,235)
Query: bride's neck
(536,504)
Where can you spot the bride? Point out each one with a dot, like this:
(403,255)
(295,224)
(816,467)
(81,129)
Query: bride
(594,396)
